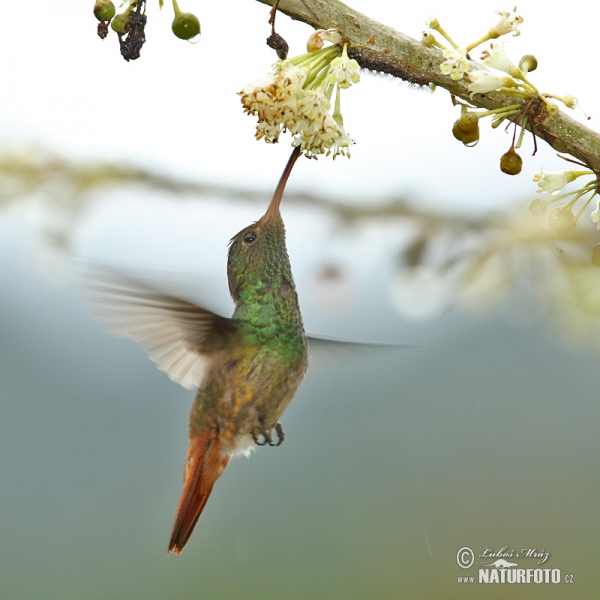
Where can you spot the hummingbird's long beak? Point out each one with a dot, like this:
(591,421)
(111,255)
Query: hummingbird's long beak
(276,200)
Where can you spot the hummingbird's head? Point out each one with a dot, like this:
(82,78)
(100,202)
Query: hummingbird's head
(257,254)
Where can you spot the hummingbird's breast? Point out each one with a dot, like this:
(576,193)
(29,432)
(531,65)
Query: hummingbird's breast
(263,385)
(250,385)
(256,375)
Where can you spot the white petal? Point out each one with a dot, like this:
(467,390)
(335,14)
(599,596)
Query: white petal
(498,59)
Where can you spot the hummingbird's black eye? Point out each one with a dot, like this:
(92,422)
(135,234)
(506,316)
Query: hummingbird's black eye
(249,238)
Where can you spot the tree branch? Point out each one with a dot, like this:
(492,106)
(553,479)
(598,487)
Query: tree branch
(380,48)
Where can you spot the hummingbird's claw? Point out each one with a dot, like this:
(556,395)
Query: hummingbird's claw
(266,439)
(267,436)
(280,435)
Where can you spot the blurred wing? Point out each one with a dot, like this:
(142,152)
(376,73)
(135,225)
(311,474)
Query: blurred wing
(177,334)
(325,353)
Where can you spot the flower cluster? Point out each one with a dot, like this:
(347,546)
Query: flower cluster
(507,77)
(505,74)
(497,72)
(457,63)
(561,219)
(296,97)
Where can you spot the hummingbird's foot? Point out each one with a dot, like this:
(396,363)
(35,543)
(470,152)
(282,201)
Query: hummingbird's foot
(267,436)
(263,442)
(280,435)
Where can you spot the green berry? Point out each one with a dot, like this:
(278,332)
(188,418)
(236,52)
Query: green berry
(186,26)
(468,138)
(561,219)
(468,122)
(120,23)
(538,206)
(104,10)
(596,255)
(511,163)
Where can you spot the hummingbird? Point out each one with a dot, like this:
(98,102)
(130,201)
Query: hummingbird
(246,368)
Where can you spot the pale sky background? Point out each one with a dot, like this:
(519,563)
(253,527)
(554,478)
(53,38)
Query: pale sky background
(482,433)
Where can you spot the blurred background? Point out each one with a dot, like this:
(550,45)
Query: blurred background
(481,433)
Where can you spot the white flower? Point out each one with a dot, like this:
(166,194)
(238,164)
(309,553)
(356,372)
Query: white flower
(506,24)
(498,60)
(315,129)
(296,99)
(279,87)
(596,214)
(456,63)
(313,106)
(553,182)
(274,99)
(320,36)
(341,143)
(269,130)
(343,71)
(483,82)
(572,102)
(293,76)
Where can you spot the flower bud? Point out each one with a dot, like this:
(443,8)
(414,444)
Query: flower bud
(538,206)
(511,163)
(552,109)
(104,10)
(528,63)
(561,219)
(428,39)
(596,255)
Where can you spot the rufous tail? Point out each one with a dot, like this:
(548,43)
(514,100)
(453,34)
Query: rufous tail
(203,466)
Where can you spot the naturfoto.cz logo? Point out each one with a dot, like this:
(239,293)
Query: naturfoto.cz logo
(505,569)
